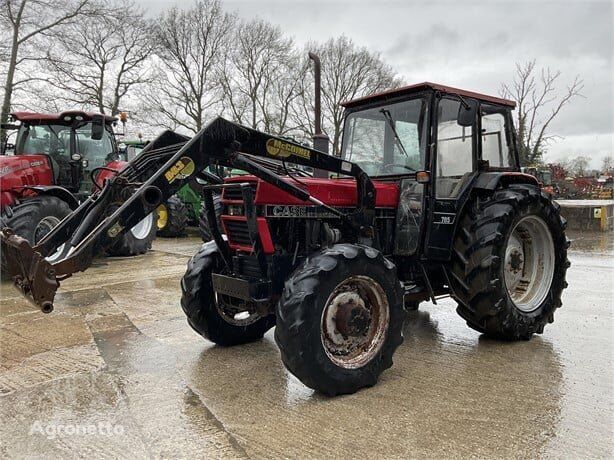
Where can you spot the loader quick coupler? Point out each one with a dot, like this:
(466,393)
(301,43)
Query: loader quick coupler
(32,275)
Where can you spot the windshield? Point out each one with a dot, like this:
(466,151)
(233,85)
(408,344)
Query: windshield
(388,139)
(55,141)
(49,139)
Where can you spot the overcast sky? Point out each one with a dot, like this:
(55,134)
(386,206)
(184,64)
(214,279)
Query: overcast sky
(472,45)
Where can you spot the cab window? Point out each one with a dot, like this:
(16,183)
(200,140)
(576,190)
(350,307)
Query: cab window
(454,150)
(387,140)
(495,137)
(52,140)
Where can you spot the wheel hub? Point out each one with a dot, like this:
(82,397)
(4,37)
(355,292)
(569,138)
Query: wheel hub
(354,322)
(516,261)
(529,263)
(352,319)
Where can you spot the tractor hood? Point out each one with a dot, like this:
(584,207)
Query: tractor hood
(333,192)
(18,166)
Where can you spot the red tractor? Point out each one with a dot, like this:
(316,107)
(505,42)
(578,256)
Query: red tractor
(55,159)
(426,200)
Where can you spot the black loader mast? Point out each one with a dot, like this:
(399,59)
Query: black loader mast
(166,165)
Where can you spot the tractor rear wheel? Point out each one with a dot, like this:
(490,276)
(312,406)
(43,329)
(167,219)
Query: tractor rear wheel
(215,317)
(135,241)
(172,218)
(203,223)
(340,319)
(509,263)
(33,219)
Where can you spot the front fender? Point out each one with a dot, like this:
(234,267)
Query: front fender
(58,192)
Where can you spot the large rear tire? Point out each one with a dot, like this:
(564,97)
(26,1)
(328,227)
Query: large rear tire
(340,319)
(208,314)
(509,262)
(135,241)
(33,219)
(172,218)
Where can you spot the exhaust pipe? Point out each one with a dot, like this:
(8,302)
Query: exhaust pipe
(320,141)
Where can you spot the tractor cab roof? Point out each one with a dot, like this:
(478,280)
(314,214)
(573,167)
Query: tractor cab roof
(407,90)
(67,116)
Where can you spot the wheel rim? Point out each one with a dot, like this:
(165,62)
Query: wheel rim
(529,263)
(45,225)
(355,322)
(162,217)
(141,230)
(236,312)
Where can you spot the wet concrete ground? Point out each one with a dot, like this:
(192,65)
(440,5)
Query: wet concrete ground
(115,371)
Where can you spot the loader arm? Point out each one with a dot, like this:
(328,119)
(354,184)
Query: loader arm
(165,166)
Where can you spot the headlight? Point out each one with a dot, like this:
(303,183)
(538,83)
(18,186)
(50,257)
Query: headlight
(235,210)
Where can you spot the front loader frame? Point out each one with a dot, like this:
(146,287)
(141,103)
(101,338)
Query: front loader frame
(164,166)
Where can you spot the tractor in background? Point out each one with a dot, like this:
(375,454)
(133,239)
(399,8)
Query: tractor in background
(56,162)
(180,210)
(544,177)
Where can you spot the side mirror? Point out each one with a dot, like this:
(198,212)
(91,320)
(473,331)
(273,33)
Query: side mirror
(97,127)
(130,152)
(467,112)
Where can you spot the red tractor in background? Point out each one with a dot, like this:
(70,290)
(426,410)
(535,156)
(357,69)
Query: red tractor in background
(57,161)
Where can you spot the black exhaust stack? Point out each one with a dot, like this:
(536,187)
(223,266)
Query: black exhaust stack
(320,140)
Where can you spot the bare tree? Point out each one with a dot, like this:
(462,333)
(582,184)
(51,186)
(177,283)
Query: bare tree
(607,164)
(578,165)
(26,21)
(539,102)
(261,77)
(97,63)
(348,72)
(191,45)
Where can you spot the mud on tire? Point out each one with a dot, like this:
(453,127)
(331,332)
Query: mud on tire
(479,260)
(300,317)
(198,302)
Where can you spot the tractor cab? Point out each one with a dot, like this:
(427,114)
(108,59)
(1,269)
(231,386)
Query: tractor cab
(425,138)
(74,142)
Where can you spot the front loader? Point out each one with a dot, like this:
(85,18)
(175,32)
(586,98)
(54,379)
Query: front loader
(427,200)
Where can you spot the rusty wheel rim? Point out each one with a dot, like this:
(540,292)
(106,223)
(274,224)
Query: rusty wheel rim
(354,322)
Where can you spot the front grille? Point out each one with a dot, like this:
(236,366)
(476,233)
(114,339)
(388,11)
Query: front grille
(237,232)
(248,266)
(234,193)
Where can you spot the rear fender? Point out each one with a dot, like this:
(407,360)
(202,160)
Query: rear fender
(58,192)
(493,180)
(484,182)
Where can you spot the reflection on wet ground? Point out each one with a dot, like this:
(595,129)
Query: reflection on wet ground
(118,352)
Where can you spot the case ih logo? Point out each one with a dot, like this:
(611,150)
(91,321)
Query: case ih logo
(277,148)
(5,170)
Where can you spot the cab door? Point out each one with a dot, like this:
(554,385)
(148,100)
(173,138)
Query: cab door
(454,164)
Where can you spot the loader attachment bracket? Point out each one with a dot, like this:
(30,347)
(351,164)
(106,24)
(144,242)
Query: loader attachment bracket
(33,276)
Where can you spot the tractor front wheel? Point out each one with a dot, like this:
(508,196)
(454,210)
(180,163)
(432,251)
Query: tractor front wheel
(220,319)
(33,219)
(172,218)
(135,241)
(510,261)
(340,319)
